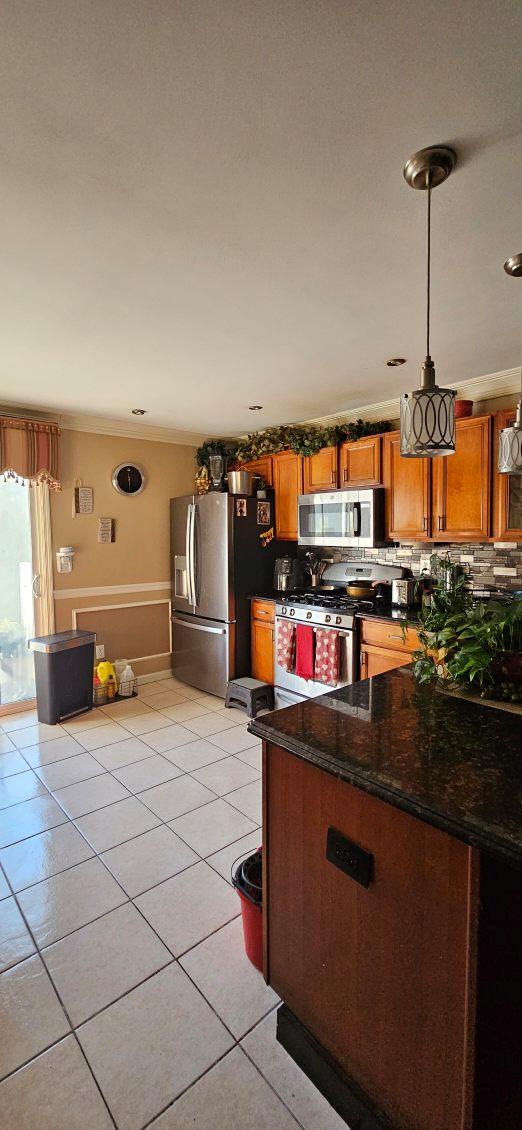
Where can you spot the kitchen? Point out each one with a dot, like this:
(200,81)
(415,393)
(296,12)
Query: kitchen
(260,448)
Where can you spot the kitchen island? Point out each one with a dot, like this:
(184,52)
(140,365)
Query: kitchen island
(392,896)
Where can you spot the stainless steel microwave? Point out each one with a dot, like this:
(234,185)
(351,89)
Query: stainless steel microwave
(342,517)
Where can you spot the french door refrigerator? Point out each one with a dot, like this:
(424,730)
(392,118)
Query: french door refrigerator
(217,560)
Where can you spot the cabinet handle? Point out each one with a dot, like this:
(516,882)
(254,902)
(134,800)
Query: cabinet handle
(333,476)
(345,475)
(425,523)
(440,521)
(391,636)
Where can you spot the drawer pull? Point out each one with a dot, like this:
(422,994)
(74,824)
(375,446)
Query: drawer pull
(349,857)
(391,636)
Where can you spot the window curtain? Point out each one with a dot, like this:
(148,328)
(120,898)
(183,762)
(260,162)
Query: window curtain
(29,450)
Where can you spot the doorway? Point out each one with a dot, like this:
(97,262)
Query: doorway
(26,604)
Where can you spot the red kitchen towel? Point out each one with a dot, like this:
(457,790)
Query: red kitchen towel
(327,656)
(304,651)
(285,645)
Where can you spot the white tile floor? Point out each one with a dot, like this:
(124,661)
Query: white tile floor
(126,998)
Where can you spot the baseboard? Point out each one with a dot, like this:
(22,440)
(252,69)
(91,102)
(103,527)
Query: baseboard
(154,676)
(341,1092)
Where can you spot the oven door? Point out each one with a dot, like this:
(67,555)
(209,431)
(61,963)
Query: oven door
(304,688)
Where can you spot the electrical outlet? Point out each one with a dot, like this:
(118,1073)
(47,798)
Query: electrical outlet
(100,650)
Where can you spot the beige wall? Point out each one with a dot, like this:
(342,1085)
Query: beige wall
(140,554)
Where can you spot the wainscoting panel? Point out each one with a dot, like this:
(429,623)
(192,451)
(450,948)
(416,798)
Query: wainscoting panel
(141,630)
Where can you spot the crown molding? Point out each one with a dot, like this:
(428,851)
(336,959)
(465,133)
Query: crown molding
(103,425)
(487,387)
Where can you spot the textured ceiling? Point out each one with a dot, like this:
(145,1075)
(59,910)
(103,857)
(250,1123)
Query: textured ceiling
(203,206)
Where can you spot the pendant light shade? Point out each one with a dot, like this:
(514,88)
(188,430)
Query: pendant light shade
(510,439)
(427,425)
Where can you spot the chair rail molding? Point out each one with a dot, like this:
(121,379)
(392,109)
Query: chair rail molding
(111,590)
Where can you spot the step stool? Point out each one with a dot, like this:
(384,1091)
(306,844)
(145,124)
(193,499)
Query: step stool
(251,693)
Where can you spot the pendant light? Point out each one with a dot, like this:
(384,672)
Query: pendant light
(510,439)
(428,414)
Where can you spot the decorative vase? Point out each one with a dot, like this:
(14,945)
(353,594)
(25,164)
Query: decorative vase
(463,408)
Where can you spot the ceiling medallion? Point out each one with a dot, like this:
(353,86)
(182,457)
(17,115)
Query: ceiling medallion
(510,439)
(428,415)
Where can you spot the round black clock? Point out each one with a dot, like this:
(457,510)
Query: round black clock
(128,478)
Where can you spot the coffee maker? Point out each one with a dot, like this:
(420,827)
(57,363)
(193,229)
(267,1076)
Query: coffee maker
(289,574)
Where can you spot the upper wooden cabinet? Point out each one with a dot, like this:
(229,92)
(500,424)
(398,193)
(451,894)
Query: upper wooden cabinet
(320,471)
(508,491)
(408,493)
(461,484)
(288,485)
(360,463)
(262,467)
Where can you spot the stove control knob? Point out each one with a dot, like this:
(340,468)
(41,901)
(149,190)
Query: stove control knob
(308,615)
(338,619)
(284,609)
(327,619)
(292,611)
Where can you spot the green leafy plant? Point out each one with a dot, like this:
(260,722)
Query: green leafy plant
(467,644)
(300,438)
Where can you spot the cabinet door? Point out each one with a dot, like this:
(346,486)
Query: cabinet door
(407,494)
(288,485)
(360,463)
(461,492)
(261,466)
(262,641)
(508,491)
(375,660)
(383,977)
(320,471)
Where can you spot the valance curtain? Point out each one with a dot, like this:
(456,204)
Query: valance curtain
(29,450)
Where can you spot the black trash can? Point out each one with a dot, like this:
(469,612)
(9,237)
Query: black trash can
(63,667)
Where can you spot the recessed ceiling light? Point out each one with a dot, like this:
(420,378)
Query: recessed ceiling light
(394,361)
(138,411)
(255,407)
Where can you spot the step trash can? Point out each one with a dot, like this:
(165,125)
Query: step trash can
(63,668)
(247,879)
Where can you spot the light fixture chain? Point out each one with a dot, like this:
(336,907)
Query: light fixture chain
(428,272)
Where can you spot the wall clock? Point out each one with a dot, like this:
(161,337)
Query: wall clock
(128,478)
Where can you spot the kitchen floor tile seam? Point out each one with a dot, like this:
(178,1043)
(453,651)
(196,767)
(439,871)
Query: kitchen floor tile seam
(194,809)
(223,846)
(210,934)
(264,1077)
(13,803)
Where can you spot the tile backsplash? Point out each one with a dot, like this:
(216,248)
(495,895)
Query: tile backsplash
(494,565)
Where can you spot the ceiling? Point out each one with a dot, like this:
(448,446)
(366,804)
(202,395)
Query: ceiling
(203,205)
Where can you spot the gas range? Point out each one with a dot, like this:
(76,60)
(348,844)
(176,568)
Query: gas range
(324,609)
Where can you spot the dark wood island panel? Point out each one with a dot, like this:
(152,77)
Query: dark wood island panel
(382,976)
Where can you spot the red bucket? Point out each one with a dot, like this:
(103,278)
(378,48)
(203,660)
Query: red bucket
(247,881)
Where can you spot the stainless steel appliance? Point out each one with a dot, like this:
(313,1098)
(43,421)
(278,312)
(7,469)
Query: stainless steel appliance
(289,574)
(342,518)
(217,560)
(403,592)
(240,482)
(330,608)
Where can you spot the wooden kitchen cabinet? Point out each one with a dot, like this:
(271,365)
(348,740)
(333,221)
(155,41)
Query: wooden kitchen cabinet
(288,485)
(407,483)
(360,463)
(461,484)
(508,491)
(262,640)
(320,471)
(262,467)
(385,646)
(384,975)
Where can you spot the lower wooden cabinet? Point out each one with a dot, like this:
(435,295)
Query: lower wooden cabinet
(288,485)
(262,641)
(320,471)
(385,646)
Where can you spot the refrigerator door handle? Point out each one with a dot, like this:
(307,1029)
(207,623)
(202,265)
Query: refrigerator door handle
(187,554)
(199,627)
(192,562)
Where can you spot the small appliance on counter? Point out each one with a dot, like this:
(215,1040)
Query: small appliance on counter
(289,574)
(403,592)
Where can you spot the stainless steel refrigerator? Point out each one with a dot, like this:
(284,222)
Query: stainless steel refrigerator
(217,560)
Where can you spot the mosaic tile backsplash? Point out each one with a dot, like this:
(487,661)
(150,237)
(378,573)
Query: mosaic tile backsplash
(497,565)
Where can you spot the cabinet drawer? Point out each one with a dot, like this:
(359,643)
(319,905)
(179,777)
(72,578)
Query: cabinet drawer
(389,635)
(263,610)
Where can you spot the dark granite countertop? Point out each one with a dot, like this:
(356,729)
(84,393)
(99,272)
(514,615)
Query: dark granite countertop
(389,613)
(454,763)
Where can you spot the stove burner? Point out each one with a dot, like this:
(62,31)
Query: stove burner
(335,600)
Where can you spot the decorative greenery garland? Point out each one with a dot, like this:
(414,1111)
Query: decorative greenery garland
(301,439)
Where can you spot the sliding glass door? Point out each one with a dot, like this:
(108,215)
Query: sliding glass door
(24,538)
